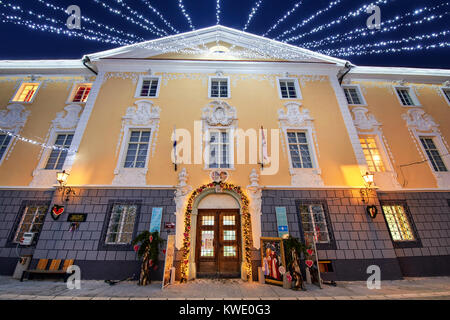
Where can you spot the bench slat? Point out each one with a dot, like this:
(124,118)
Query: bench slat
(55,265)
(42,264)
(67,264)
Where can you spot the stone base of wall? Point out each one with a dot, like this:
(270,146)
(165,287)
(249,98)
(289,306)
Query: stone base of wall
(7,266)
(431,266)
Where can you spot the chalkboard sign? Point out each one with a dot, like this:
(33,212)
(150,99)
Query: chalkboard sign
(77,217)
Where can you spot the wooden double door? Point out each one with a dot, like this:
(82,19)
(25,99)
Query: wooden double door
(218,246)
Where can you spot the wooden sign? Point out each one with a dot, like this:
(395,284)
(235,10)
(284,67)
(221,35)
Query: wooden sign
(168,263)
(77,217)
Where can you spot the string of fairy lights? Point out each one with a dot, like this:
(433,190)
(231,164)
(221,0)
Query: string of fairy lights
(34,142)
(94,30)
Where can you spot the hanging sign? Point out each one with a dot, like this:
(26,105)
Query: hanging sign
(372,211)
(283,229)
(168,264)
(77,217)
(155,224)
(169,225)
(57,211)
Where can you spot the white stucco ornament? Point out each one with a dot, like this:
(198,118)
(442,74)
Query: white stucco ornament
(219,113)
(293,116)
(363,120)
(69,118)
(14,116)
(255,197)
(417,118)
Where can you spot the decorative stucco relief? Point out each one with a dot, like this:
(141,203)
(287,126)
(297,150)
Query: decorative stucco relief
(181,196)
(219,113)
(255,195)
(134,77)
(13,119)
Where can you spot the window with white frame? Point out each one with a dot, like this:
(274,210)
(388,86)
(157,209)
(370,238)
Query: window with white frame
(149,87)
(446,92)
(353,96)
(137,151)
(81,92)
(31,221)
(433,154)
(406,96)
(299,149)
(121,224)
(289,89)
(219,149)
(314,223)
(372,153)
(57,157)
(4,143)
(26,92)
(219,88)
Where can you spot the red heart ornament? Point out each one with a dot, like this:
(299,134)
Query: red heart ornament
(309,263)
(57,210)
(310,252)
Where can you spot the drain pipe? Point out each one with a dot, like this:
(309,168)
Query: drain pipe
(346,70)
(86,60)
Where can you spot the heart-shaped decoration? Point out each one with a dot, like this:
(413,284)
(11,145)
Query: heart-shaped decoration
(310,252)
(309,263)
(57,211)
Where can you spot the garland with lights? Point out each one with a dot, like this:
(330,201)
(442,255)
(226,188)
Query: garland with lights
(285,16)
(246,226)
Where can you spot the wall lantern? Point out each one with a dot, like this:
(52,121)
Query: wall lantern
(61,177)
(365,192)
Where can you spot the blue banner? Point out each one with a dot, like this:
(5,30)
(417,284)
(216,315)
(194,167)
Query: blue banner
(155,224)
(282,222)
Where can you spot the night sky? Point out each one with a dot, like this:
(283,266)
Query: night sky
(21,42)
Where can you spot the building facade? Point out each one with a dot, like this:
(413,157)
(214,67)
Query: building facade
(284,129)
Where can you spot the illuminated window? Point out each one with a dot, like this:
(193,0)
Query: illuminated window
(138,147)
(314,223)
(57,157)
(208,220)
(207,247)
(229,235)
(81,93)
(4,143)
(219,88)
(26,92)
(299,150)
(433,154)
(353,95)
(229,220)
(31,221)
(121,224)
(219,149)
(289,89)
(372,154)
(398,223)
(149,87)
(229,251)
(406,96)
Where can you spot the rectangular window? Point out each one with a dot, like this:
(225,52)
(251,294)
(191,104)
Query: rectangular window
(219,149)
(372,154)
(314,223)
(352,96)
(81,93)
(405,96)
(299,150)
(26,92)
(207,245)
(433,154)
(4,143)
(219,88)
(57,157)
(137,149)
(121,224)
(288,89)
(31,221)
(149,87)
(398,223)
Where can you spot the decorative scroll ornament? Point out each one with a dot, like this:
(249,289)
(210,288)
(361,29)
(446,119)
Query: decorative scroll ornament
(417,119)
(143,114)
(219,113)
(293,116)
(14,117)
(68,119)
(363,120)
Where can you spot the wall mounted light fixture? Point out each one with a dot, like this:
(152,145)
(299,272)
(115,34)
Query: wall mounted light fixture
(366,192)
(61,177)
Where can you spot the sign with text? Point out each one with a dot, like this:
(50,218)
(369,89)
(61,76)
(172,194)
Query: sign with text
(283,229)
(169,225)
(168,264)
(77,217)
(155,224)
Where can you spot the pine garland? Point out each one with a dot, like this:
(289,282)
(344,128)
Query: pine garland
(246,219)
(147,246)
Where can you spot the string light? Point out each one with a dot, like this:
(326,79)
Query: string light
(186,15)
(218,12)
(306,21)
(92,21)
(286,15)
(252,14)
(335,22)
(362,32)
(42,145)
(155,11)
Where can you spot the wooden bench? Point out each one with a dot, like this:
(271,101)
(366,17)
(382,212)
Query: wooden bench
(53,269)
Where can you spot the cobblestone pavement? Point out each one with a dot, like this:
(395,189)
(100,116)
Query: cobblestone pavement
(411,288)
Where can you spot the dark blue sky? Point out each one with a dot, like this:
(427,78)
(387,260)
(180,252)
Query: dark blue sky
(20,42)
